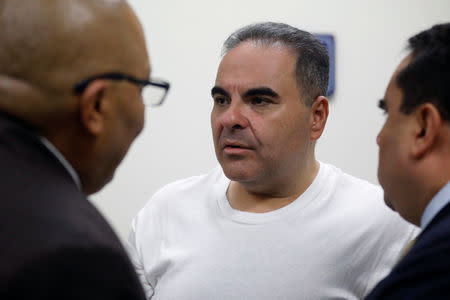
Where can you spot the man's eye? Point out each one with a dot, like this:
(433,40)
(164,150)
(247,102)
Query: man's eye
(259,101)
(382,105)
(220,100)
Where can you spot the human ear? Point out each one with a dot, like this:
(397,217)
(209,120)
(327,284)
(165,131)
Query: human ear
(92,102)
(319,115)
(427,122)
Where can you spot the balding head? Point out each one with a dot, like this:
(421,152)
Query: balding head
(46,48)
(49,45)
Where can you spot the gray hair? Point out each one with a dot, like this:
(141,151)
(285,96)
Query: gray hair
(312,65)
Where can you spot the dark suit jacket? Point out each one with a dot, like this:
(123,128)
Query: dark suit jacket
(53,243)
(424,273)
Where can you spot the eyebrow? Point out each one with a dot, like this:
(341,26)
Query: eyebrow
(382,104)
(218,90)
(261,91)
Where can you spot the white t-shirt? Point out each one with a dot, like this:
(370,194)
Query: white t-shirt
(336,241)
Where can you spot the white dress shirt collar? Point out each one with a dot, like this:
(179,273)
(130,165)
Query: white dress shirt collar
(63,161)
(439,201)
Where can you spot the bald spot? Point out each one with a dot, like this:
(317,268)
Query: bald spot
(49,45)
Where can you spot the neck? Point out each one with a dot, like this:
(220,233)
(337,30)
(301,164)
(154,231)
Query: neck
(268,196)
(428,176)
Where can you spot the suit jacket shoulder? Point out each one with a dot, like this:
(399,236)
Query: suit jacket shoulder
(424,273)
(49,229)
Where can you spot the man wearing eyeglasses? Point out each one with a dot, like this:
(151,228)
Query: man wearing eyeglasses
(73,85)
(271,222)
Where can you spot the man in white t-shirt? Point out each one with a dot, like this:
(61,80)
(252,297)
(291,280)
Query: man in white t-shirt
(272,222)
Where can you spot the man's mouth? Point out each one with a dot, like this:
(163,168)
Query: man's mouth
(235,148)
(236,145)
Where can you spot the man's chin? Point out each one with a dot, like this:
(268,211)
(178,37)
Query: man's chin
(236,176)
(237,173)
(96,186)
(388,202)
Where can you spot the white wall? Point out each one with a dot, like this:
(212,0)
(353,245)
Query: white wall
(184,40)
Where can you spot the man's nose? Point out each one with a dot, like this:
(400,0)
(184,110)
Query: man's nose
(379,138)
(235,116)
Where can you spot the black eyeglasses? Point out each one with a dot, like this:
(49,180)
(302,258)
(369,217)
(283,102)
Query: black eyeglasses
(154,91)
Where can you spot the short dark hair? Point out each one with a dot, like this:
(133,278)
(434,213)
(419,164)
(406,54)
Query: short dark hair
(427,77)
(312,66)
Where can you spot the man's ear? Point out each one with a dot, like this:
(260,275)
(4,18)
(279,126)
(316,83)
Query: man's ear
(428,121)
(319,115)
(92,104)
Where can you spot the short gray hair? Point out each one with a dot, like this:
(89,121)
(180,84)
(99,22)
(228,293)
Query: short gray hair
(312,57)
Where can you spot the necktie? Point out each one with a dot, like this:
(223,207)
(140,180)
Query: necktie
(406,249)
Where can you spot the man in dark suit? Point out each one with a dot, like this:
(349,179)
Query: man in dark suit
(414,166)
(71,77)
